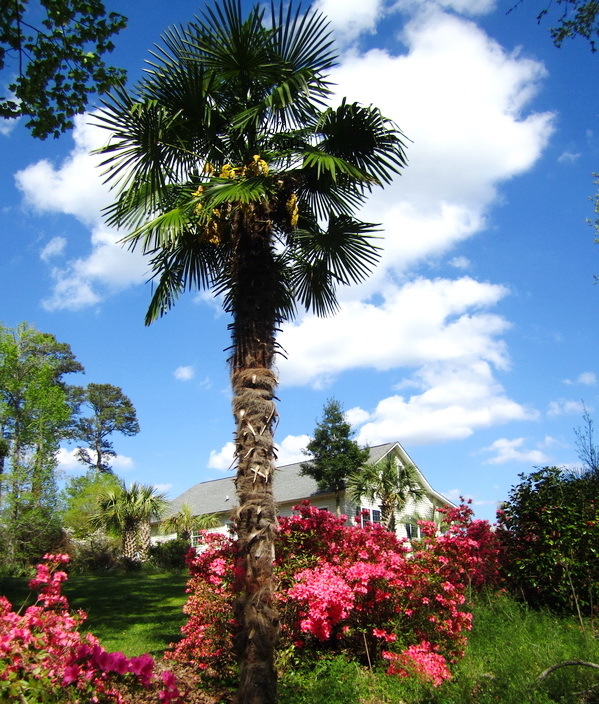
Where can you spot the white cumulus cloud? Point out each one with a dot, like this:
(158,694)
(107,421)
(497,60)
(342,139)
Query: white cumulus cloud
(54,248)
(514,451)
(75,188)
(289,450)
(351,18)
(223,458)
(184,373)
(564,406)
(454,402)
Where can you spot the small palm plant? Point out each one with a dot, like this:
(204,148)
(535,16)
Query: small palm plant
(129,511)
(389,482)
(184,523)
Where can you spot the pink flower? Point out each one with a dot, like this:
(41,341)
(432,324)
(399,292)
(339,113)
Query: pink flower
(71,674)
(419,660)
(384,635)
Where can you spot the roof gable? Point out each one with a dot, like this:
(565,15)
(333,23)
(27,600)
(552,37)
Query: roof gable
(218,495)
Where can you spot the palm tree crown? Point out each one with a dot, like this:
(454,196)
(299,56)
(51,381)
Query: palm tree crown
(390,482)
(129,511)
(184,522)
(233,175)
(228,129)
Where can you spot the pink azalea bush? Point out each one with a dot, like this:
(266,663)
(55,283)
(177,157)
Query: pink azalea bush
(421,661)
(350,588)
(45,658)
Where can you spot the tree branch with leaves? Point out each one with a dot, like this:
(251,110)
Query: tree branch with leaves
(55,49)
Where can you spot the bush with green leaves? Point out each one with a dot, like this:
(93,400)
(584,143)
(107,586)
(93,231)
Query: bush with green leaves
(549,530)
(96,552)
(169,555)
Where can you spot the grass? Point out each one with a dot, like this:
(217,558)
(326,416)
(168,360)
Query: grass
(509,647)
(135,612)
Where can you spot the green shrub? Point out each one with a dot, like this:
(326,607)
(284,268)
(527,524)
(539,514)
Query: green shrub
(549,530)
(169,555)
(98,552)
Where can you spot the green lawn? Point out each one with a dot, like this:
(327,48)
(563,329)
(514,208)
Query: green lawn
(509,647)
(135,613)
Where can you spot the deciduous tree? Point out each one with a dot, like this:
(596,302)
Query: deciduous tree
(34,417)
(569,19)
(51,54)
(79,499)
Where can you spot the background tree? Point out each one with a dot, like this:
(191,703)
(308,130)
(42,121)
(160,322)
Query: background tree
(55,49)
(184,523)
(390,482)
(34,417)
(588,451)
(234,177)
(112,412)
(79,499)
(128,512)
(335,456)
(575,18)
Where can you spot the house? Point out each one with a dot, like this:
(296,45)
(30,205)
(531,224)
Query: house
(291,487)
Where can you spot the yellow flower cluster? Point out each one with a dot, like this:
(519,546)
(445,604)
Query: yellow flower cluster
(211,231)
(292,209)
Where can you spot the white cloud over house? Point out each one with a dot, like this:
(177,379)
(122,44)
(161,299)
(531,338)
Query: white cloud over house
(462,102)
(505,451)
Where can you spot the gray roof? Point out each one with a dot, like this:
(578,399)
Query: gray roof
(218,495)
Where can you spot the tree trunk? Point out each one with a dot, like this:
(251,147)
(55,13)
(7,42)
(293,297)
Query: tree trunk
(129,543)
(254,307)
(388,515)
(144,533)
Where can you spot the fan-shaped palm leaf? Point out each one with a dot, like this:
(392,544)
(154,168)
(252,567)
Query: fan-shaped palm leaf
(227,164)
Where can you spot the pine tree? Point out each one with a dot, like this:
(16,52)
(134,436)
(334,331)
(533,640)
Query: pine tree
(335,455)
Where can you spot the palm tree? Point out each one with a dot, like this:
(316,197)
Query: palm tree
(234,176)
(388,481)
(184,523)
(129,511)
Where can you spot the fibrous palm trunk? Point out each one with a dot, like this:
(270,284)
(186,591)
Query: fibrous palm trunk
(130,543)
(144,538)
(388,514)
(254,310)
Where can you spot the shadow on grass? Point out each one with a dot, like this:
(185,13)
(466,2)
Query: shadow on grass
(134,612)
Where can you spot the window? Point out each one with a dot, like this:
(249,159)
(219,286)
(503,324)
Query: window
(376,516)
(412,531)
(362,516)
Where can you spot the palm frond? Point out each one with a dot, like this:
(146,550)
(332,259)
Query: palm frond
(333,166)
(361,136)
(245,190)
(323,259)
(160,232)
(140,146)
(314,287)
(189,264)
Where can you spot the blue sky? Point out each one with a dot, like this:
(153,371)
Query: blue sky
(474,343)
